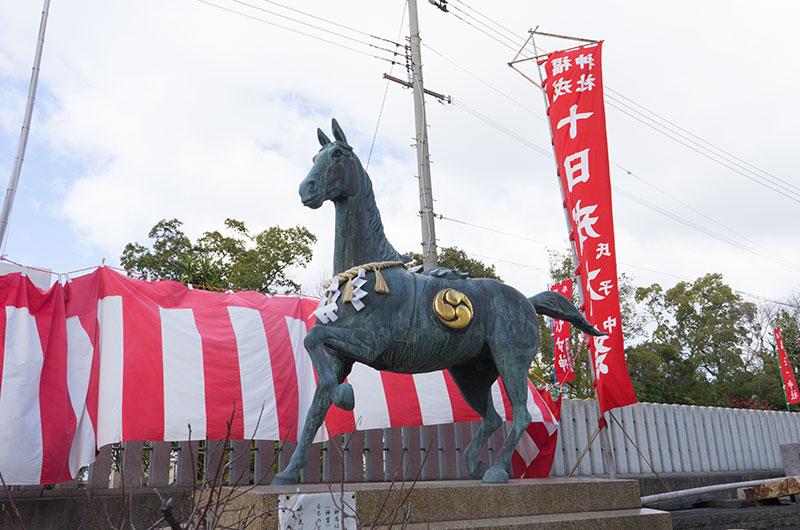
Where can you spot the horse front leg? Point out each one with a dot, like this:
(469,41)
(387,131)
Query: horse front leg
(358,345)
(320,404)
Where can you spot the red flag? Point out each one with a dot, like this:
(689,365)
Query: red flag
(574,88)
(564,369)
(789,382)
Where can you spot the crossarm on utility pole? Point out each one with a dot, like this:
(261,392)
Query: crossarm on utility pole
(441,97)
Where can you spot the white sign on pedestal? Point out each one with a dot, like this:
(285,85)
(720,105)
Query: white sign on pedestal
(317,511)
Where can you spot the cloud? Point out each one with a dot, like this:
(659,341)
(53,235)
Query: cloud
(160,110)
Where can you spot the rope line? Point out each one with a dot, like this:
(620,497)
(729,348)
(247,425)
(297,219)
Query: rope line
(638,451)
(133,273)
(585,450)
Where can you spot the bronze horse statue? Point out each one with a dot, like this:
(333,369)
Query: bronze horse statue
(477,329)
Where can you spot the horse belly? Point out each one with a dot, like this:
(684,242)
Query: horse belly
(429,355)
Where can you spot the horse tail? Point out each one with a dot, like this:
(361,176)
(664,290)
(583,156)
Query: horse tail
(556,305)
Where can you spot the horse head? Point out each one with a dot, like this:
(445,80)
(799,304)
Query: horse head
(336,173)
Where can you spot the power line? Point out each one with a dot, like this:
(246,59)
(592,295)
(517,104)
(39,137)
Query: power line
(479,29)
(678,277)
(704,230)
(561,248)
(354,30)
(503,129)
(496,231)
(506,262)
(490,86)
(489,28)
(711,156)
(647,204)
(685,205)
(263,21)
(385,92)
(518,137)
(264,10)
(508,31)
(701,139)
(729,161)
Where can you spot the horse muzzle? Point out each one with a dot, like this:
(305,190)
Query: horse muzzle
(311,194)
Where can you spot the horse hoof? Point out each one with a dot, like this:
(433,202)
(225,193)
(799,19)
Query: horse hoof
(477,472)
(496,475)
(343,397)
(285,479)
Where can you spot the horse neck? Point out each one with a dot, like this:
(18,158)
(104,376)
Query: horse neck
(359,231)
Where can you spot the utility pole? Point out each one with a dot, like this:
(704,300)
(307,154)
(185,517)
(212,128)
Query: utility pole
(429,255)
(26,127)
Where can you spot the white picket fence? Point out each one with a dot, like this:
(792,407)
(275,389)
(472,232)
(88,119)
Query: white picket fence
(675,439)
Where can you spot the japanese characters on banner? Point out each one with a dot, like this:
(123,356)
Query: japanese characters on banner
(574,88)
(789,382)
(565,371)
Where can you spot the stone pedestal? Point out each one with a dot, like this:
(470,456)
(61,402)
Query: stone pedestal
(540,503)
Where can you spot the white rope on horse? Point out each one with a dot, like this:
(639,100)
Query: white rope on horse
(355,278)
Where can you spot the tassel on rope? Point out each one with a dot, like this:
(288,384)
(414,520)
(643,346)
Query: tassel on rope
(380,283)
(347,296)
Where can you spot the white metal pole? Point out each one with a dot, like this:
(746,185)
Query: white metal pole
(429,254)
(26,126)
(605,442)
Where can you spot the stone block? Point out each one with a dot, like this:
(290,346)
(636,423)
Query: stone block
(770,490)
(790,453)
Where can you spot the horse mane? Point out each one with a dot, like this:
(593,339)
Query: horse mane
(443,272)
(375,238)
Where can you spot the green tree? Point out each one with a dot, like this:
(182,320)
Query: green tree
(458,260)
(231,259)
(704,332)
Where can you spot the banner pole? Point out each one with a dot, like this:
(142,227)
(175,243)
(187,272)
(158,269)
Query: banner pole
(605,442)
(13,180)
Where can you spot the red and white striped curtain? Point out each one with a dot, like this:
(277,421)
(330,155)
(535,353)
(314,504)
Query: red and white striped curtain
(107,358)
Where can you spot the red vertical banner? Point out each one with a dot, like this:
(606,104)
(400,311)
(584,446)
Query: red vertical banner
(564,369)
(574,88)
(789,382)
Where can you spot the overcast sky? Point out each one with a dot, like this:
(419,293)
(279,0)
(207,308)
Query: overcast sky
(150,110)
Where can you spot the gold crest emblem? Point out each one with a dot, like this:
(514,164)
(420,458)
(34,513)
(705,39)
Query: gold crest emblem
(453,308)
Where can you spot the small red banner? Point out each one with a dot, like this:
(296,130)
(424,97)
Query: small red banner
(789,382)
(574,88)
(565,371)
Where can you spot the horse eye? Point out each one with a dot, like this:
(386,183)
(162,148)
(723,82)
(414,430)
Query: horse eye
(337,154)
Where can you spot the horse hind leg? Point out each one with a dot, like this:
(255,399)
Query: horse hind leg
(513,368)
(476,388)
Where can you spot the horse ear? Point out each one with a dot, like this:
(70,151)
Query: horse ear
(337,131)
(323,140)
